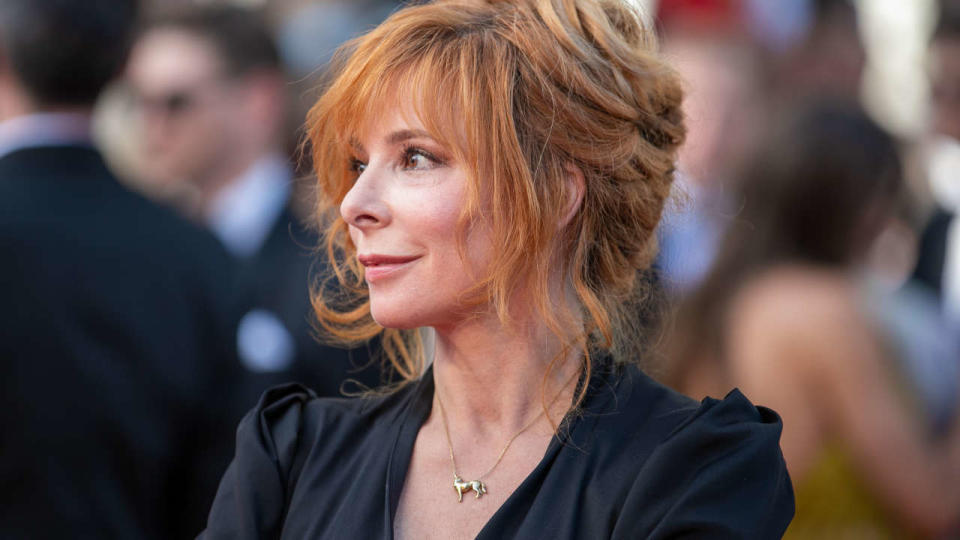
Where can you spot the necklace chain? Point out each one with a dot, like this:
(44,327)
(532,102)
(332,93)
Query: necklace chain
(477,486)
(453,460)
(446,431)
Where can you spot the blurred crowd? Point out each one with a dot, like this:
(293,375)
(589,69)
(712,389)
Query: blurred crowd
(158,251)
(810,259)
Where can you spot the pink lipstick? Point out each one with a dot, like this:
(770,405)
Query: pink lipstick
(379,267)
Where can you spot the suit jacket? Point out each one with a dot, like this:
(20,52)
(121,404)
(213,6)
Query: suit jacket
(277,279)
(115,349)
(932,251)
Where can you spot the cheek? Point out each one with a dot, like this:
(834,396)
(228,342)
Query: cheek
(440,223)
(190,135)
(479,249)
(219,123)
(456,273)
(429,214)
(441,226)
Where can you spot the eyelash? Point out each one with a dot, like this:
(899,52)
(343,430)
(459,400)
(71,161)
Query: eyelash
(357,166)
(410,151)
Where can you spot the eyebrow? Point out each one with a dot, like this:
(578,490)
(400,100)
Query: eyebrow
(396,137)
(406,134)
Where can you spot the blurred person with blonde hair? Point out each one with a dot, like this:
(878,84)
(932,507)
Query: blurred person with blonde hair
(494,172)
(787,315)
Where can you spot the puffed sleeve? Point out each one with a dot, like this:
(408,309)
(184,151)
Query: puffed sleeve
(253,494)
(719,475)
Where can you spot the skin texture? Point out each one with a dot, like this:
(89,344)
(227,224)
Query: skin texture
(406,202)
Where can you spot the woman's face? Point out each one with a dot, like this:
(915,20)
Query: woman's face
(402,213)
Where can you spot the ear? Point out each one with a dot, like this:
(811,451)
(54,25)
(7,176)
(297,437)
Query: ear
(575,185)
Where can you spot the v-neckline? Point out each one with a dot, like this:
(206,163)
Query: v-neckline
(415,416)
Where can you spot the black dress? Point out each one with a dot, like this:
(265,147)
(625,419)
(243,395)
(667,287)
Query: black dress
(640,461)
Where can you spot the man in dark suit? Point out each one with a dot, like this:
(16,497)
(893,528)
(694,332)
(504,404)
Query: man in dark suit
(115,333)
(932,251)
(212,94)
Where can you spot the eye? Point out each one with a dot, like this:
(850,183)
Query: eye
(356,166)
(418,159)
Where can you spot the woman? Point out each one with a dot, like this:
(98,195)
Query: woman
(495,171)
(786,314)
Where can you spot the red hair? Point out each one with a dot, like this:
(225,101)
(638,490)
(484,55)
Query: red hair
(519,92)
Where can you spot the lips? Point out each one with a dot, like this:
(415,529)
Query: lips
(379,267)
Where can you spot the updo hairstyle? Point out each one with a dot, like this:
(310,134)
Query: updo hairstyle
(521,92)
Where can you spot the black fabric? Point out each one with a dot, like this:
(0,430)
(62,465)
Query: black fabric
(278,279)
(115,357)
(640,462)
(932,251)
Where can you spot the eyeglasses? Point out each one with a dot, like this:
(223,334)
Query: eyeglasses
(171,104)
(174,103)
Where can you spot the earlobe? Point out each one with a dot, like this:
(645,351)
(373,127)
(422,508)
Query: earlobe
(575,187)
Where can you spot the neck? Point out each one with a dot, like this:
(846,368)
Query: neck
(492,379)
(14,104)
(230,170)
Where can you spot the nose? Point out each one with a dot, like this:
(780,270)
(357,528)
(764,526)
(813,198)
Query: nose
(365,206)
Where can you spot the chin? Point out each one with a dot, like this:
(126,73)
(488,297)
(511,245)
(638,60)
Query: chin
(397,317)
(412,313)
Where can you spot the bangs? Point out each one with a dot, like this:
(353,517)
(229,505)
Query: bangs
(420,91)
(427,79)
(525,96)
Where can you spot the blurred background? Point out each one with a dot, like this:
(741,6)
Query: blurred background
(809,253)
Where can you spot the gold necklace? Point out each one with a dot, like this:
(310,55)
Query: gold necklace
(477,486)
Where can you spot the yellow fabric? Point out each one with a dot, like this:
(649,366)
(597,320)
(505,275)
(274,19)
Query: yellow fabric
(833,503)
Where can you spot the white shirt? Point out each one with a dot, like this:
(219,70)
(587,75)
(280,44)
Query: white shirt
(244,212)
(242,216)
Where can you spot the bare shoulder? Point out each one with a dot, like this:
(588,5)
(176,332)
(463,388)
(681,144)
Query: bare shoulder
(797,298)
(796,312)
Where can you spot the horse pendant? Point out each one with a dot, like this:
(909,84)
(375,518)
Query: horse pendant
(461,486)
